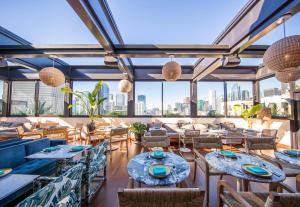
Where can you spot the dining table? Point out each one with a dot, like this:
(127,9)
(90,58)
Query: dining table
(292,161)
(138,169)
(233,167)
(62,155)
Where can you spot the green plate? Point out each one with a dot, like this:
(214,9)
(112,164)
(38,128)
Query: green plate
(294,153)
(77,148)
(227,153)
(6,171)
(245,168)
(168,170)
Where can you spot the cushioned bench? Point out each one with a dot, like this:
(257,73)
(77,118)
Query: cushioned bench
(14,157)
(15,142)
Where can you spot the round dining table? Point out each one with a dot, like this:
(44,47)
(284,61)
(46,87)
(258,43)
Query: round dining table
(233,166)
(138,169)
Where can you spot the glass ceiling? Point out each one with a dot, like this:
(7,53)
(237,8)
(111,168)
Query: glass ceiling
(44,22)
(251,61)
(173,21)
(292,27)
(84,60)
(162,61)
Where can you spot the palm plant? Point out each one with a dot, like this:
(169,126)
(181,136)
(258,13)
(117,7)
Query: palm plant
(91,102)
(249,114)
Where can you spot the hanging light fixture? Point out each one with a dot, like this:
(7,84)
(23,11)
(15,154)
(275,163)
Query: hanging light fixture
(171,71)
(52,76)
(125,86)
(283,57)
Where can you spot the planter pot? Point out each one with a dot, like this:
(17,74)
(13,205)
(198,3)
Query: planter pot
(91,126)
(138,137)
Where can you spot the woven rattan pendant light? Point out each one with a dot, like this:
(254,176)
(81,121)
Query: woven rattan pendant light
(171,71)
(283,57)
(125,86)
(52,76)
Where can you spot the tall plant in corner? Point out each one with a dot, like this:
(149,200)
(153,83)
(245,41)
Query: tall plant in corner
(90,100)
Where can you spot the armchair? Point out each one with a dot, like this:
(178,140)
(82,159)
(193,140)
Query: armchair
(63,189)
(155,138)
(233,198)
(118,135)
(187,138)
(22,134)
(56,133)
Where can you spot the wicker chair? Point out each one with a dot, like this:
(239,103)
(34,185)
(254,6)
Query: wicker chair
(200,144)
(76,132)
(187,137)
(118,135)
(231,198)
(22,134)
(155,138)
(56,133)
(160,197)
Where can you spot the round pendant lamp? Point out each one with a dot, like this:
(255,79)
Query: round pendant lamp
(283,55)
(125,86)
(52,76)
(288,75)
(171,71)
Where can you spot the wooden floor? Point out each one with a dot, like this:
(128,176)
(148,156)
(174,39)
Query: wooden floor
(117,177)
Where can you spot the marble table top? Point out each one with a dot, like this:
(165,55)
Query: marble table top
(138,169)
(61,154)
(295,161)
(11,183)
(233,167)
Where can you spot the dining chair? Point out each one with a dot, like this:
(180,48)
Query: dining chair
(64,190)
(76,132)
(94,137)
(201,146)
(155,138)
(118,135)
(232,198)
(160,197)
(22,134)
(187,137)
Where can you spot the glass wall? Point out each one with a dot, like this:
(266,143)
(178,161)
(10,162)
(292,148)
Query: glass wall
(23,98)
(176,98)
(114,105)
(210,99)
(275,95)
(51,100)
(239,97)
(148,98)
(297,84)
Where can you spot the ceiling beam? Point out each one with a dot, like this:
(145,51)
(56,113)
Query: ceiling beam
(101,27)
(256,19)
(125,51)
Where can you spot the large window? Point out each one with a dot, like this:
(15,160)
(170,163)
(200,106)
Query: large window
(51,100)
(297,84)
(210,98)
(1,96)
(148,98)
(114,105)
(275,95)
(22,98)
(239,97)
(176,98)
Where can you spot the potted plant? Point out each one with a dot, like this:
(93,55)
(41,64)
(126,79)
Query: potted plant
(90,100)
(138,129)
(249,114)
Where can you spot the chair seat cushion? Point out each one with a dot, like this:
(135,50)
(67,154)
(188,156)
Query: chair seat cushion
(55,142)
(35,167)
(97,166)
(254,199)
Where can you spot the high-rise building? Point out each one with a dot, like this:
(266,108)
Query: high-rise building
(212,99)
(235,92)
(140,108)
(104,93)
(245,95)
(272,92)
(120,99)
(142,98)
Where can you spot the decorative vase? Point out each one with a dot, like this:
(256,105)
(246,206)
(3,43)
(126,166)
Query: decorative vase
(138,137)
(91,126)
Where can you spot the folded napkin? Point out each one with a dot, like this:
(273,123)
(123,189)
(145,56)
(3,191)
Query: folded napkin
(293,152)
(51,149)
(1,172)
(257,170)
(159,171)
(77,148)
(228,153)
(158,153)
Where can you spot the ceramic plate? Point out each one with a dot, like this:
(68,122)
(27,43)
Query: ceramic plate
(290,154)
(6,171)
(168,170)
(223,153)
(156,157)
(244,167)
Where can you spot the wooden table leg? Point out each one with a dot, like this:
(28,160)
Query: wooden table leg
(298,183)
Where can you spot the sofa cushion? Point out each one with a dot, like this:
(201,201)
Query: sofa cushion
(188,126)
(201,127)
(35,167)
(13,156)
(4,142)
(36,146)
(15,143)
